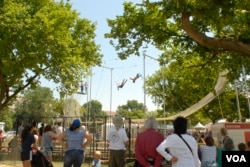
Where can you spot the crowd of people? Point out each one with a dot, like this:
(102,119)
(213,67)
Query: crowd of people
(180,148)
(40,141)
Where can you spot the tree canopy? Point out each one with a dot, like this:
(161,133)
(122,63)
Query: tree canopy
(132,109)
(43,38)
(197,38)
(36,104)
(217,31)
(93,110)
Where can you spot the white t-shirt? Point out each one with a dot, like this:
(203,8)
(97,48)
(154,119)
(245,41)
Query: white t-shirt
(117,138)
(59,130)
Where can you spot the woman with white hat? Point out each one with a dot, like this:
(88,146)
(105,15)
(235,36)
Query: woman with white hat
(118,139)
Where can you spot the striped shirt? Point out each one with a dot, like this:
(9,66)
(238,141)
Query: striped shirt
(75,139)
(208,153)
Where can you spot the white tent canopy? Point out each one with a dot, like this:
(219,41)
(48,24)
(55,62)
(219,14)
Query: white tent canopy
(199,126)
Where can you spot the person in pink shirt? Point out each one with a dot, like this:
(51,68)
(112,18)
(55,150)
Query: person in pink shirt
(1,138)
(146,143)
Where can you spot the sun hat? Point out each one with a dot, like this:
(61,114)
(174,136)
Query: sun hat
(76,122)
(118,121)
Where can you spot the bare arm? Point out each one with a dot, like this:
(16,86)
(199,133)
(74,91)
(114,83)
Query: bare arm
(53,135)
(88,138)
(61,139)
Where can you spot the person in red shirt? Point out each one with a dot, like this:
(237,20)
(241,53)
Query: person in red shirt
(1,138)
(146,143)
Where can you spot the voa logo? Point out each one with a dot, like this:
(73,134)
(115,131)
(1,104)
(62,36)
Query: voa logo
(236,158)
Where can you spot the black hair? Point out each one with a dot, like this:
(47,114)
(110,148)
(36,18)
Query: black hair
(25,132)
(180,125)
(242,147)
(73,127)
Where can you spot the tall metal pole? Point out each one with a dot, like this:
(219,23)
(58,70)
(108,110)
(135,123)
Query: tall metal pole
(163,90)
(163,87)
(237,100)
(111,86)
(246,88)
(111,70)
(89,96)
(144,85)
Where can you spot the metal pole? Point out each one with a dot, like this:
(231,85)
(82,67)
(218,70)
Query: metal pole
(111,78)
(246,88)
(237,100)
(111,70)
(163,87)
(163,90)
(144,88)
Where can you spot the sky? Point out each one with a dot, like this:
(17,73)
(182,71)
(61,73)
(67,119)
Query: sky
(100,83)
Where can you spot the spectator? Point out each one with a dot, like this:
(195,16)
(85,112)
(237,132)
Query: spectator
(224,135)
(59,128)
(227,146)
(182,149)
(48,136)
(27,140)
(146,143)
(208,152)
(1,138)
(35,133)
(41,129)
(97,162)
(75,145)
(248,146)
(242,147)
(118,140)
(20,129)
(41,133)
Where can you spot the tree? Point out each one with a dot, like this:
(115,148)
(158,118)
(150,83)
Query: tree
(132,109)
(215,30)
(71,108)
(35,105)
(94,109)
(43,38)
(7,118)
(181,87)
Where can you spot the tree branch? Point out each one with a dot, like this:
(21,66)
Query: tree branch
(220,43)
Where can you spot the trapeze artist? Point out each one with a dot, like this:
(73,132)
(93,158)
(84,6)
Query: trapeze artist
(84,88)
(122,84)
(136,77)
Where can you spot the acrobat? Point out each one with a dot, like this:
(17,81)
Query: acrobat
(84,88)
(122,84)
(136,77)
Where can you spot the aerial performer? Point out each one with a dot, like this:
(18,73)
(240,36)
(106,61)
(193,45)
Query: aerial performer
(121,84)
(84,88)
(136,77)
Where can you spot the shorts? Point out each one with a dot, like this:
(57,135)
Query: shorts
(48,150)
(26,155)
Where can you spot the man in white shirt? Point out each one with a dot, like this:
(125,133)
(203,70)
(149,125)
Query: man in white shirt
(59,128)
(180,153)
(118,139)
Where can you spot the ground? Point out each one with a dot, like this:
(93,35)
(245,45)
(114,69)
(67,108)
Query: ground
(19,164)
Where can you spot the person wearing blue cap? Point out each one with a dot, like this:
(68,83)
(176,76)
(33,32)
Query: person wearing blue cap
(75,144)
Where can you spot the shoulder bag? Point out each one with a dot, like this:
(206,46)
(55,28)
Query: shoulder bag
(185,143)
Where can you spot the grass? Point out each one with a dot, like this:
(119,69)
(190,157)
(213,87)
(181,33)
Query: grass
(14,161)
